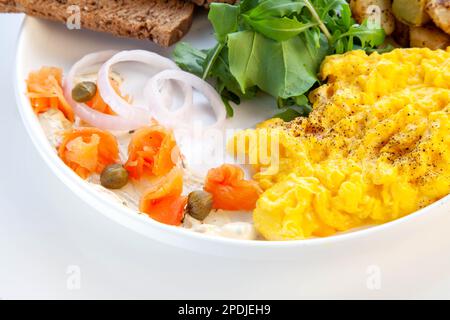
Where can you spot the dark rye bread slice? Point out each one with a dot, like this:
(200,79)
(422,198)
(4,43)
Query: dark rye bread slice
(8,6)
(206,3)
(162,21)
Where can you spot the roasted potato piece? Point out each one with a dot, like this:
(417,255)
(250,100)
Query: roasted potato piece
(368,9)
(439,11)
(429,37)
(412,12)
(401,34)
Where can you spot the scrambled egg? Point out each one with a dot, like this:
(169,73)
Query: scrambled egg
(375,147)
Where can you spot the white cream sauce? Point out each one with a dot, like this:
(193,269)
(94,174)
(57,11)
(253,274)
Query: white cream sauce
(220,223)
(54,124)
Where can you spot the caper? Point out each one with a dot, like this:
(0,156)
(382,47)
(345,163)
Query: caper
(114,176)
(199,204)
(84,91)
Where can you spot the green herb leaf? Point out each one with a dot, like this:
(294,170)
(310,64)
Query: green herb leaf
(326,7)
(367,36)
(288,115)
(279,29)
(292,101)
(228,107)
(226,83)
(282,69)
(211,56)
(382,49)
(246,5)
(276,9)
(189,58)
(291,113)
(224,18)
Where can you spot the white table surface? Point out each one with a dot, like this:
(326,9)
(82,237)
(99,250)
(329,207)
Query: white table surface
(45,230)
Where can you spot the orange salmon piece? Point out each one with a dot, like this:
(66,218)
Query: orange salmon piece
(151,152)
(164,202)
(44,89)
(230,190)
(88,150)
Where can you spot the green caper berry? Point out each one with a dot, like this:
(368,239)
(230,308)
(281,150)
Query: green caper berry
(114,176)
(84,91)
(199,204)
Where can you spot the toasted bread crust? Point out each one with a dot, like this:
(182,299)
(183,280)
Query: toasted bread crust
(162,21)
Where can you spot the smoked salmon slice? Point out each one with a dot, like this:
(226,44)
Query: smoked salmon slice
(164,201)
(88,150)
(230,190)
(44,89)
(152,152)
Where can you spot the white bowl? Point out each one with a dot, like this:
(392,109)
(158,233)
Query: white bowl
(45,43)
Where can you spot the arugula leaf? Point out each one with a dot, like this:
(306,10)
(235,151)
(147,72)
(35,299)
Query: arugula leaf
(211,56)
(325,7)
(224,19)
(228,107)
(293,107)
(291,113)
(288,115)
(241,59)
(367,36)
(346,17)
(279,29)
(246,5)
(292,101)
(382,49)
(276,9)
(226,82)
(189,58)
(282,69)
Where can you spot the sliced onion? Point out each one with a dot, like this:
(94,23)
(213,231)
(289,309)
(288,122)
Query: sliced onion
(118,104)
(168,118)
(91,116)
(161,96)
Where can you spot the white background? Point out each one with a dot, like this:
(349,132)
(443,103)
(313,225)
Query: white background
(45,229)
